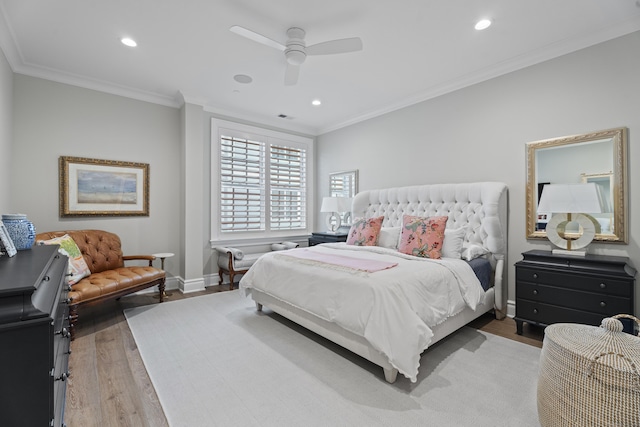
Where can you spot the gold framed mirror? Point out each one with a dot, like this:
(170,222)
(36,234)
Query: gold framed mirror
(599,157)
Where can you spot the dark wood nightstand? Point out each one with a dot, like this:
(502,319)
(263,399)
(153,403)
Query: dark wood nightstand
(317,238)
(572,289)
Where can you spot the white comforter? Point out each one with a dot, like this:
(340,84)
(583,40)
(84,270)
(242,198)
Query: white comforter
(392,309)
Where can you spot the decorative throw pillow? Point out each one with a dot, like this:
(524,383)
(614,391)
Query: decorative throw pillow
(388,237)
(422,237)
(473,251)
(364,232)
(78,268)
(453,240)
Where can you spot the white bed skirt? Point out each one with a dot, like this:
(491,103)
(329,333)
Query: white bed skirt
(358,344)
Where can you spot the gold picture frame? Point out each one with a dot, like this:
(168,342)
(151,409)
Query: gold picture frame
(94,187)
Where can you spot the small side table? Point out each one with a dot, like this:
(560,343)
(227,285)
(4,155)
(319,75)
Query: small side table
(162,256)
(318,238)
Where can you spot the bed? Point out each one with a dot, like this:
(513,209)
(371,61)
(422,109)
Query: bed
(390,312)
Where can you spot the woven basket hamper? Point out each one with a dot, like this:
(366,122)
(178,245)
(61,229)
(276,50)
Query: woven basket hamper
(589,376)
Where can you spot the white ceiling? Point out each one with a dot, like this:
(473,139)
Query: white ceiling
(413,49)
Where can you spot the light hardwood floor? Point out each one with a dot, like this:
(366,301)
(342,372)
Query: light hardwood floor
(109,385)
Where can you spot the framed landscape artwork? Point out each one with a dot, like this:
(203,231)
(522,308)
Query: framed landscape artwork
(92,187)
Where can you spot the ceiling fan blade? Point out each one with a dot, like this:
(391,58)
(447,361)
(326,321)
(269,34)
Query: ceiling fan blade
(335,46)
(291,75)
(252,35)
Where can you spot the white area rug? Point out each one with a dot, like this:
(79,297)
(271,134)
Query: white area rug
(215,361)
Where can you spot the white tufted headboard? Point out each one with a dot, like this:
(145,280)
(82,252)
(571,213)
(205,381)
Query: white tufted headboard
(480,205)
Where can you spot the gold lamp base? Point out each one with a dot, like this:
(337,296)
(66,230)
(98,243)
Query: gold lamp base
(556,234)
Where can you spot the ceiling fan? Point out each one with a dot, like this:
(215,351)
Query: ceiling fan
(296,51)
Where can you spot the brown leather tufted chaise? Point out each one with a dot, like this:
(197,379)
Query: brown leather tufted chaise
(109,277)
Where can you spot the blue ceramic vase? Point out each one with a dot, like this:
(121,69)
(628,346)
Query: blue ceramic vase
(20,229)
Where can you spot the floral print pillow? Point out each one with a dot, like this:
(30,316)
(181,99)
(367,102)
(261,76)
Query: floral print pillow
(364,232)
(422,237)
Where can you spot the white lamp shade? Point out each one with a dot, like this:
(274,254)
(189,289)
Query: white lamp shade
(570,198)
(336,204)
(329,204)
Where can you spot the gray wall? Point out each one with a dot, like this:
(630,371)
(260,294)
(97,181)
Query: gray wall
(479,133)
(6,134)
(53,120)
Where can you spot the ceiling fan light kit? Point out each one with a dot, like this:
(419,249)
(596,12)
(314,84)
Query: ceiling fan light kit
(295,49)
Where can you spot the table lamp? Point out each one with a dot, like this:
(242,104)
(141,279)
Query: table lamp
(568,203)
(335,205)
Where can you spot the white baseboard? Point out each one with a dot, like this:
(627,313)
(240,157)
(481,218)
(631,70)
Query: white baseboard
(212,280)
(191,285)
(171,283)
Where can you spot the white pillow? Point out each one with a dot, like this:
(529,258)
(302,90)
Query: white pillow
(388,237)
(473,251)
(453,240)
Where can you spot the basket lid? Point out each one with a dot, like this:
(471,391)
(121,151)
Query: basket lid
(592,342)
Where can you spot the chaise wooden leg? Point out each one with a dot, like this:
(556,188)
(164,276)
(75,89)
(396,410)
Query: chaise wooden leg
(220,272)
(231,280)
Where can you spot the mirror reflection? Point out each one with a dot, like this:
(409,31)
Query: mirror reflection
(343,184)
(599,158)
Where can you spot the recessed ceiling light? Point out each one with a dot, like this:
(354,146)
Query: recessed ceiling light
(242,78)
(483,24)
(316,102)
(128,42)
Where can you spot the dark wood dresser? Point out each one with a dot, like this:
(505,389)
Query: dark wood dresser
(34,337)
(554,288)
(317,238)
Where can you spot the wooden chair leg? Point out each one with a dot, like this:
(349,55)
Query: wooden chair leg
(231,272)
(161,290)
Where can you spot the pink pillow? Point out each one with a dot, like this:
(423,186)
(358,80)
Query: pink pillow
(364,232)
(422,237)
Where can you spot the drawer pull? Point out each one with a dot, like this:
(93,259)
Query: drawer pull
(535,292)
(46,278)
(63,376)
(603,285)
(68,300)
(603,304)
(535,275)
(535,311)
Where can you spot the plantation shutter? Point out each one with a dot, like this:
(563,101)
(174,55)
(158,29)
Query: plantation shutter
(242,184)
(287,188)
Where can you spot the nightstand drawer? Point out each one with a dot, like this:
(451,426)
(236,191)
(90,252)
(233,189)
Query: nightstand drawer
(546,314)
(577,281)
(562,297)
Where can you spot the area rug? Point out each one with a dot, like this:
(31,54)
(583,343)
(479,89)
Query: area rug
(215,361)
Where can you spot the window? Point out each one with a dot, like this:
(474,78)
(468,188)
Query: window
(261,187)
